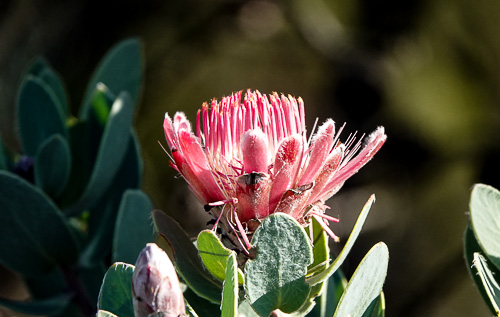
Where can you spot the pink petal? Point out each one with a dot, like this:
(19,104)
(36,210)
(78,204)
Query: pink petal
(197,161)
(181,123)
(255,151)
(321,145)
(286,166)
(252,192)
(373,144)
(190,177)
(327,171)
(170,135)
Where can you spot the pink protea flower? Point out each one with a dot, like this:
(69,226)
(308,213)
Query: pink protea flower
(254,158)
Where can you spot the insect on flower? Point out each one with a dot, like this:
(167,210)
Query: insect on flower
(253,158)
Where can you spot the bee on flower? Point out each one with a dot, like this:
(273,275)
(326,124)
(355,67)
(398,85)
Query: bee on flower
(252,157)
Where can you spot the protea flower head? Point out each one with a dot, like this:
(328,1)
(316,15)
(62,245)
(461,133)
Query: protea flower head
(254,158)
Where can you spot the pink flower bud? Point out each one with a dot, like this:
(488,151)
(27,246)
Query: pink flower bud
(155,286)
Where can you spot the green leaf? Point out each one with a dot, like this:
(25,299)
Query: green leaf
(53,165)
(333,289)
(377,307)
(214,255)
(323,275)
(246,310)
(485,217)
(101,101)
(103,313)
(120,70)
(41,307)
(471,246)
(489,282)
(34,235)
(102,218)
(366,283)
(85,139)
(230,290)
(275,279)
(112,150)
(133,228)
(187,262)
(116,290)
(41,69)
(321,251)
(39,114)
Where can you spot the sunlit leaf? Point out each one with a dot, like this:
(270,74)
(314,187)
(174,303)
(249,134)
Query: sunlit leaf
(214,255)
(485,218)
(230,291)
(275,279)
(490,284)
(366,283)
(471,246)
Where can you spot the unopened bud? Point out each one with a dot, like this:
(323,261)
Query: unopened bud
(155,285)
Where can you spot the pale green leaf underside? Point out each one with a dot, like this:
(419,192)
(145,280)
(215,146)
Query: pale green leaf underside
(485,217)
(366,283)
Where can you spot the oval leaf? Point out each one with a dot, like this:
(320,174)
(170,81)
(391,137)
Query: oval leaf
(490,284)
(485,217)
(34,235)
(471,246)
(214,255)
(41,69)
(102,219)
(366,283)
(38,114)
(133,226)
(53,165)
(119,70)
(116,290)
(276,278)
(111,153)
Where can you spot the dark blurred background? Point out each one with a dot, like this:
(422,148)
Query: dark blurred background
(426,70)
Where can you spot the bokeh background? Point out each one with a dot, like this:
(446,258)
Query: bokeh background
(428,71)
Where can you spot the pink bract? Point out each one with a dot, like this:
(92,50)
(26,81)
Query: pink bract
(254,158)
